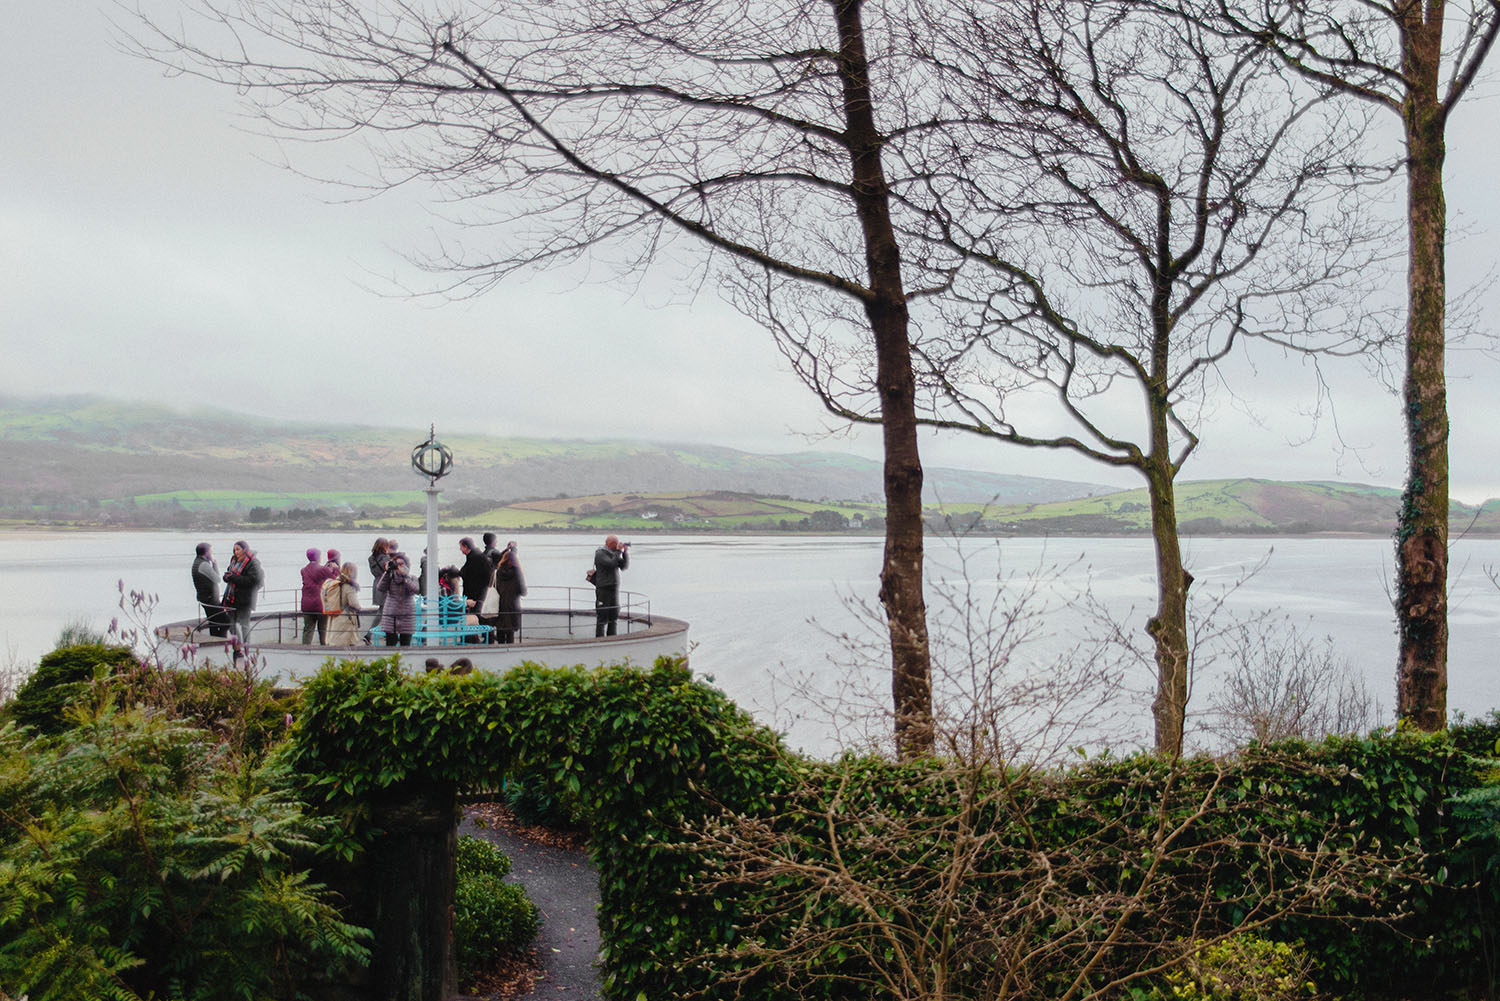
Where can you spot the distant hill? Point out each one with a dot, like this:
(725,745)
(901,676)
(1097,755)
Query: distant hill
(66,451)
(1214,507)
(93,461)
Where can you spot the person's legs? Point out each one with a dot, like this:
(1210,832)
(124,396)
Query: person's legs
(213,618)
(606,610)
(242,625)
(405,639)
(308,618)
(390,637)
(322,629)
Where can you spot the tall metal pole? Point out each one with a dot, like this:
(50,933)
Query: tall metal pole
(430,585)
(433,460)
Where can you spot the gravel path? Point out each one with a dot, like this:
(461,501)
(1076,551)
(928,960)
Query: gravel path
(565,888)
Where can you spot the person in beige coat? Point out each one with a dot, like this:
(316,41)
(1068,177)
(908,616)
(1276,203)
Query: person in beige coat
(342,593)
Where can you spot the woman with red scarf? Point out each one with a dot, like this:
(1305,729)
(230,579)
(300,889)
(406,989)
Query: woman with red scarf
(242,582)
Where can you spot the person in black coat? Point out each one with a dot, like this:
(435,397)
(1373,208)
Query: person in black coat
(244,578)
(206,585)
(609,560)
(476,573)
(510,587)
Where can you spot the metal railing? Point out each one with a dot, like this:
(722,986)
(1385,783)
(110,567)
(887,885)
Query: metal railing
(555,616)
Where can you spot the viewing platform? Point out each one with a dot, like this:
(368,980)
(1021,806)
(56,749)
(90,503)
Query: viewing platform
(556,630)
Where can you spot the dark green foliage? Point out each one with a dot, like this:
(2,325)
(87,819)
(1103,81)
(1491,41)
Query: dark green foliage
(63,678)
(243,713)
(491,918)
(535,801)
(640,753)
(1479,737)
(730,867)
(133,863)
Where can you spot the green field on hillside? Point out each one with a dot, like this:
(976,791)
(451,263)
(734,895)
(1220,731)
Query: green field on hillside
(223,499)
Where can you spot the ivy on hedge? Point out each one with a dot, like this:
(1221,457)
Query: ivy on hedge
(652,759)
(644,754)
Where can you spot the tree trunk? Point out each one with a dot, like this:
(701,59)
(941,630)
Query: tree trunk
(1168,627)
(901,573)
(411,868)
(1422,531)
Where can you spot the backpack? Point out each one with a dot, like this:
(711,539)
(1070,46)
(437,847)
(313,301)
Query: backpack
(333,598)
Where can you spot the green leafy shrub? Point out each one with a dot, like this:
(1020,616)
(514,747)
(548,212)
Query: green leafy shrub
(63,678)
(1243,967)
(491,918)
(731,867)
(245,714)
(134,864)
(1479,737)
(538,802)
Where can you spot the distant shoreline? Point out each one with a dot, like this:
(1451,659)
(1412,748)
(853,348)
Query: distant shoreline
(43,530)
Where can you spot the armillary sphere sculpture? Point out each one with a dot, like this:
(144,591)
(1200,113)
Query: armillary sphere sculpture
(432,458)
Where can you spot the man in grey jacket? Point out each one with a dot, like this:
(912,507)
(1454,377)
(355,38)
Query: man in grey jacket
(206,586)
(609,560)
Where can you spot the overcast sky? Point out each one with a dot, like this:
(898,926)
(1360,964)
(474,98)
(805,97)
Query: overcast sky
(153,249)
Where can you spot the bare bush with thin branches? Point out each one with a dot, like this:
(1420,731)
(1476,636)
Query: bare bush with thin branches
(1281,683)
(1015,677)
(954,879)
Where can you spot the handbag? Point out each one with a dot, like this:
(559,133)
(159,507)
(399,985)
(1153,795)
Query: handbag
(490,607)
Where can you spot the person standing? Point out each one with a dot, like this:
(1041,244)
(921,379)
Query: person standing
(476,573)
(341,603)
(206,584)
(315,574)
(243,578)
(490,551)
(609,560)
(380,555)
(510,588)
(398,616)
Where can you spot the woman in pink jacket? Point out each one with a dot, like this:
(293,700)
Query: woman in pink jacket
(314,575)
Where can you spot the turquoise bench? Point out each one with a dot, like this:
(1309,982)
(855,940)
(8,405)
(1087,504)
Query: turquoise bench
(448,628)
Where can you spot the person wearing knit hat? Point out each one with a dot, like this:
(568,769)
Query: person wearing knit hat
(314,575)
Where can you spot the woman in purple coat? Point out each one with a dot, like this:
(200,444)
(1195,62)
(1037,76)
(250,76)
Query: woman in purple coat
(398,616)
(314,575)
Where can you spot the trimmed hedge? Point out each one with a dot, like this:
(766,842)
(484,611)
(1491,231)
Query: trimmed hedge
(655,762)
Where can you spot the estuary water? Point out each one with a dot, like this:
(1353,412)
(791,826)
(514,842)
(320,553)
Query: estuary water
(783,624)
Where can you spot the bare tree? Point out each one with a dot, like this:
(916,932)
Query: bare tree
(1417,59)
(1120,199)
(624,130)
